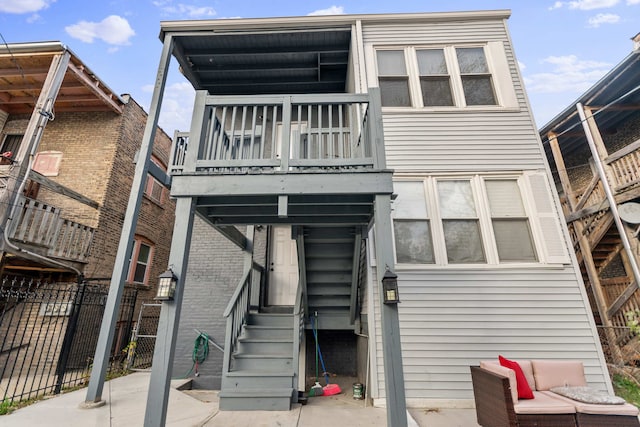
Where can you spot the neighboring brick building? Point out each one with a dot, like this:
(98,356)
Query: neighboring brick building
(69,149)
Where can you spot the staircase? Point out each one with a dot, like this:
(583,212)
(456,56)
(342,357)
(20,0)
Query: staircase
(329,260)
(262,375)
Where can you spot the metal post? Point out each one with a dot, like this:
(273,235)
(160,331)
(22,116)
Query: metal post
(391,347)
(607,190)
(69,333)
(116,287)
(157,399)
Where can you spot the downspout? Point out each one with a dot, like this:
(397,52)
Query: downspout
(609,193)
(15,205)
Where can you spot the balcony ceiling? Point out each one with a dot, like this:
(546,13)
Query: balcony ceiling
(24,68)
(614,99)
(282,62)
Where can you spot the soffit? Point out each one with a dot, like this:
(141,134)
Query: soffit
(24,68)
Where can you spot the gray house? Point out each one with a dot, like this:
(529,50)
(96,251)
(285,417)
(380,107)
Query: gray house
(325,151)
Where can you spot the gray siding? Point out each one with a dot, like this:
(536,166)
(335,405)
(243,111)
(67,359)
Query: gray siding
(451,319)
(490,140)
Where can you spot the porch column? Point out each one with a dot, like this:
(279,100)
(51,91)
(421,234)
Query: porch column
(119,275)
(157,399)
(391,349)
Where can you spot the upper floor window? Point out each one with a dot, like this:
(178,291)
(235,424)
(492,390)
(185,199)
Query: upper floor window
(393,78)
(476,220)
(11,144)
(153,189)
(140,263)
(445,76)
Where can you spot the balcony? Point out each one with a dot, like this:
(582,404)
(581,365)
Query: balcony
(283,158)
(266,134)
(42,229)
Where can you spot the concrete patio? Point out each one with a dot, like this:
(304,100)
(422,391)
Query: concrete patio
(126,400)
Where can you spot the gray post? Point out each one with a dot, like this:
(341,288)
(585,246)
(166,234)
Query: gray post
(391,349)
(157,399)
(119,275)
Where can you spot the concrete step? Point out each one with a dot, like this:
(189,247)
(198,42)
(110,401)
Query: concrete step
(267,362)
(239,380)
(258,399)
(263,345)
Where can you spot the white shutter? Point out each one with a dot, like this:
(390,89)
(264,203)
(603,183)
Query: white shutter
(502,75)
(546,220)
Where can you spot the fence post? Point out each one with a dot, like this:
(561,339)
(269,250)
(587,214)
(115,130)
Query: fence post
(69,334)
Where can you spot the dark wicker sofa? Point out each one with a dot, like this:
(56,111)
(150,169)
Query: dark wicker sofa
(495,406)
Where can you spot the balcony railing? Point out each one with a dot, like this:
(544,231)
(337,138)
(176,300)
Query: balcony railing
(42,226)
(625,164)
(280,133)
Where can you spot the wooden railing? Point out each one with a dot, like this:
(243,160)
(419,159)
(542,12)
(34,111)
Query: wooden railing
(625,164)
(281,133)
(237,310)
(42,225)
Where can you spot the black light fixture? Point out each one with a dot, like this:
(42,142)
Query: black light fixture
(390,288)
(166,286)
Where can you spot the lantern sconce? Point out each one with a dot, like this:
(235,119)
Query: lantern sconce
(390,287)
(166,286)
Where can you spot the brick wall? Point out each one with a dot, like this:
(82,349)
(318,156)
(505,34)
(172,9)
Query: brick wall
(215,267)
(98,153)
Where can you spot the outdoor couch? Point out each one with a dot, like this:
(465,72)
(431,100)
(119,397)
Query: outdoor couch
(495,390)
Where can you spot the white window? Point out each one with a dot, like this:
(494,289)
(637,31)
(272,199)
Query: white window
(140,262)
(393,78)
(476,220)
(411,224)
(445,76)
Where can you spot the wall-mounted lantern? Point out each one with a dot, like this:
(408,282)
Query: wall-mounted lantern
(166,286)
(390,288)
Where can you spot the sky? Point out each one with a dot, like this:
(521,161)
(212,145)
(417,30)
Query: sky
(562,47)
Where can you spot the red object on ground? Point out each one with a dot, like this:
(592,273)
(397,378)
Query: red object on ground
(331,389)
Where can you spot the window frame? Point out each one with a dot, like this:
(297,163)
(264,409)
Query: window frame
(138,241)
(503,88)
(485,224)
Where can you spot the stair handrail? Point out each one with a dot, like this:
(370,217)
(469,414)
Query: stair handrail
(237,311)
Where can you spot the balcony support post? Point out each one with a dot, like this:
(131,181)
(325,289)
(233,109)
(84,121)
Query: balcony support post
(120,268)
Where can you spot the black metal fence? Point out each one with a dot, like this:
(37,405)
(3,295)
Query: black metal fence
(49,332)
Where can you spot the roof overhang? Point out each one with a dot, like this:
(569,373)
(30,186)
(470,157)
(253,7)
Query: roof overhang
(24,68)
(305,54)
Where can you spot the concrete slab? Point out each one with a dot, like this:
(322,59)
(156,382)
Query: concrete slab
(126,400)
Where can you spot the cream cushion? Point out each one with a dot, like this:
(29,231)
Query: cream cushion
(543,404)
(558,373)
(527,369)
(496,368)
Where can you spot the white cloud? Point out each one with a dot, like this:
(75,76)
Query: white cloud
(24,6)
(632,2)
(33,18)
(567,74)
(113,30)
(177,107)
(333,10)
(587,4)
(603,18)
(185,10)
(521,65)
